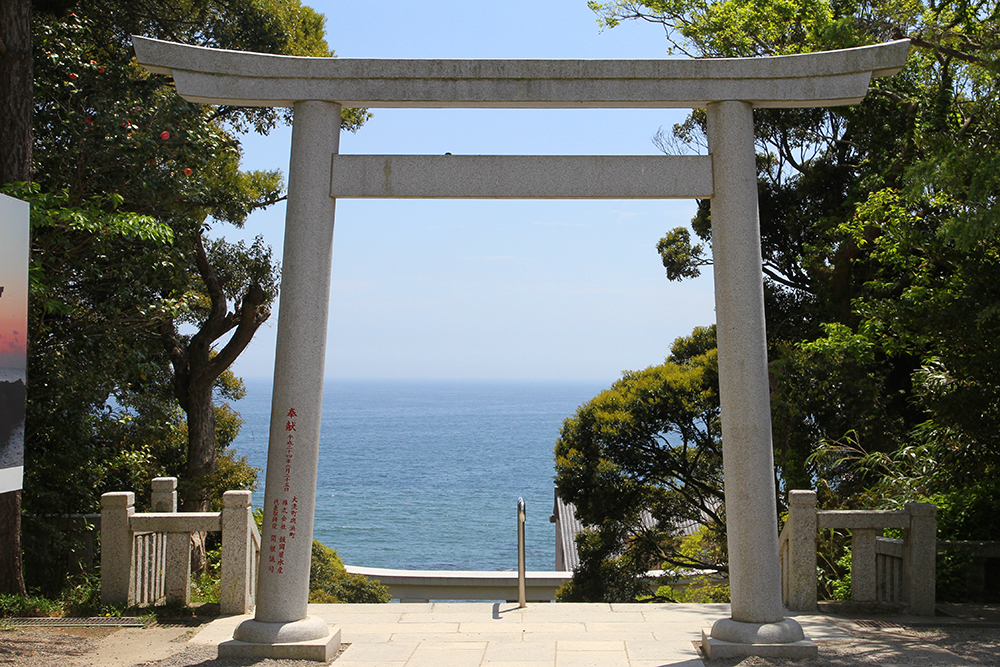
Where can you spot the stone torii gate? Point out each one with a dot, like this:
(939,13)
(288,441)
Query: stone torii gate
(317,88)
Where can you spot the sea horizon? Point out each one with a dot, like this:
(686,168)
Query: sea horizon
(426,473)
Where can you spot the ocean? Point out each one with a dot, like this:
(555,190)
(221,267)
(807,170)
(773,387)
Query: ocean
(426,474)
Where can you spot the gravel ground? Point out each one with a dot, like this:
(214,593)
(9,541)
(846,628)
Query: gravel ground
(167,647)
(929,647)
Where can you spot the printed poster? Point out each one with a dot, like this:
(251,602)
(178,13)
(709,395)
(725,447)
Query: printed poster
(14,240)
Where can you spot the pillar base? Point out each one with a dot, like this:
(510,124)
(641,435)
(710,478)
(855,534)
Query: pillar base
(734,639)
(306,639)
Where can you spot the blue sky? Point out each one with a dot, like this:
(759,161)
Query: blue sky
(473,289)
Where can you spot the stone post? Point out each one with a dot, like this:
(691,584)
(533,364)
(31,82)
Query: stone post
(748,460)
(237,553)
(117,584)
(919,559)
(281,627)
(177,577)
(802,550)
(863,570)
(164,497)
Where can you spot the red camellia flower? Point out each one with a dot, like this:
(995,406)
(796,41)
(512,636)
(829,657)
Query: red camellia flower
(90,121)
(72,76)
(187,171)
(164,135)
(100,70)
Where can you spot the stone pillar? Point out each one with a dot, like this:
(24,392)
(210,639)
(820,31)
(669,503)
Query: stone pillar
(281,627)
(237,553)
(748,460)
(919,559)
(117,584)
(177,574)
(863,571)
(802,550)
(164,497)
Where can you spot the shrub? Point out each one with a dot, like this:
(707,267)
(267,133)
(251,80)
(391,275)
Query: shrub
(330,582)
(31,606)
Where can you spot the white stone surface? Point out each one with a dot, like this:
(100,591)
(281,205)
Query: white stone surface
(919,559)
(278,647)
(522,176)
(801,527)
(117,585)
(237,553)
(751,513)
(540,635)
(164,495)
(862,519)
(464,584)
(293,449)
(717,649)
(180,522)
(214,76)
(177,573)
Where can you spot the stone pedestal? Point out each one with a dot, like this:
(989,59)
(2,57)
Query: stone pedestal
(281,628)
(758,620)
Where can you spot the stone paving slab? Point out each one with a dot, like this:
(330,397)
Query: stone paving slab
(498,634)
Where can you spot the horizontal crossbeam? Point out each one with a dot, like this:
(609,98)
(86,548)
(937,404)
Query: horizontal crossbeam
(521,177)
(216,76)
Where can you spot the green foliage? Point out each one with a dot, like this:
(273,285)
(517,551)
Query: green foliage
(840,589)
(32,606)
(330,582)
(638,461)
(704,545)
(702,589)
(951,576)
(81,597)
(879,240)
(680,258)
(968,513)
(129,180)
(208,583)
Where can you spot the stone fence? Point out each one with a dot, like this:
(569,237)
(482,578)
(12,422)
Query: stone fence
(146,558)
(426,585)
(883,570)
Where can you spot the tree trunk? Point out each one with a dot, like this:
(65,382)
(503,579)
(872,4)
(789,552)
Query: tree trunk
(201,462)
(16,87)
(15,165)
(201,445)
(11,577)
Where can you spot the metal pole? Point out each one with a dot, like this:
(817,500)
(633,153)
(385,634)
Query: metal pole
(520,553)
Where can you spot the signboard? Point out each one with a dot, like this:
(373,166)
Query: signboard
(14,240)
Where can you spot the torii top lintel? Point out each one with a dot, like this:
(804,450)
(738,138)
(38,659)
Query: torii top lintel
(215,76)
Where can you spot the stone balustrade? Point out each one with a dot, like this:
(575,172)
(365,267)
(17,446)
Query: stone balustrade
(146,558)
(883,570)
(426,585)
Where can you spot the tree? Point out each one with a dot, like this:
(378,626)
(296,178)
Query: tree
(139,328)
(15,165)
(878,227)
(639,461)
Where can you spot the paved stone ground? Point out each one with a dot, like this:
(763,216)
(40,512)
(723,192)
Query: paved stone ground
(500,635)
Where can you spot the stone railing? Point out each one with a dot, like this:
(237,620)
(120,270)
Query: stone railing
(146,558)
(425,585)
(883,570)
